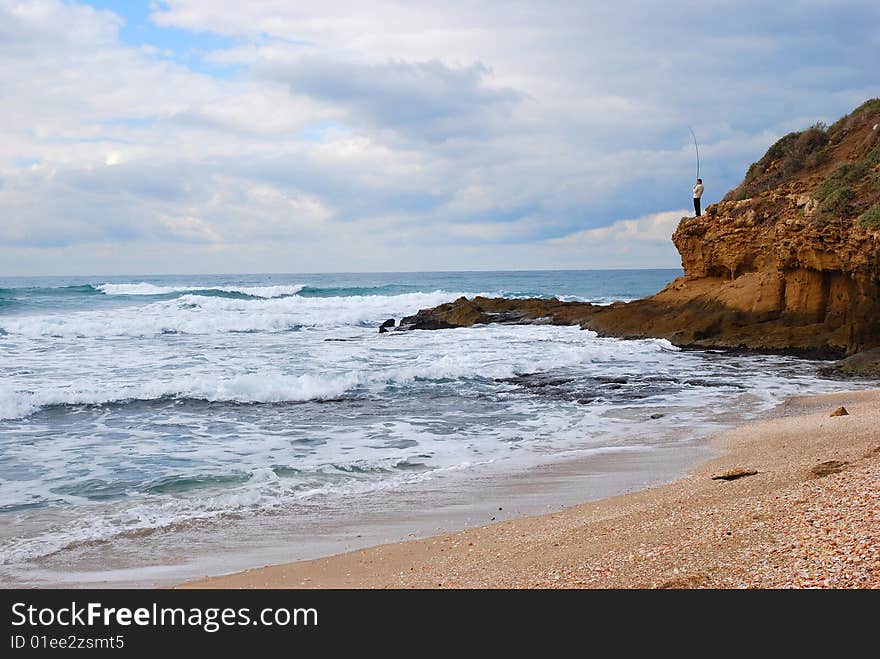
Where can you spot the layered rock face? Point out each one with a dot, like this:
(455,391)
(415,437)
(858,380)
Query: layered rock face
(792,268)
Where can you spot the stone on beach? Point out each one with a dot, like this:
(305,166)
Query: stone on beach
(733,474)
(828,467)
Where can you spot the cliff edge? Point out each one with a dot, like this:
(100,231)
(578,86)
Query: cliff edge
(787,262)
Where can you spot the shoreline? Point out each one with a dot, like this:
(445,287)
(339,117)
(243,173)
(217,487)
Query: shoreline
(469,501)
(785,526)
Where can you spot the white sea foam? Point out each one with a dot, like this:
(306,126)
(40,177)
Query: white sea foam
(250,388)
(143,288)
(600,301)
(263,492)
(196,314)
(15,404)
(437,356)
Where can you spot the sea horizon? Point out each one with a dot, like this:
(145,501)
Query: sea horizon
(332,272)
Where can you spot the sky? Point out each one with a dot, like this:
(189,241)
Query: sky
(218,136)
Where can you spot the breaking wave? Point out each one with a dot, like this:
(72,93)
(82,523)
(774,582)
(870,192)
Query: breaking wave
(198,314)
(145,289)
(274,387)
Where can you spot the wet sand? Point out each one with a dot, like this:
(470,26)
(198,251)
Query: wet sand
(810,516)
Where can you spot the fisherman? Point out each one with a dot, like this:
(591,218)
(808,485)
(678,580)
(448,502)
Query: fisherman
(698,192)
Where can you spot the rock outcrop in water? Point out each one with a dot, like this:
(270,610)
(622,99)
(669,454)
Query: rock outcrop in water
(788,262)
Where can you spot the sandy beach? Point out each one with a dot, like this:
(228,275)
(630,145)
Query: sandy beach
(808,517)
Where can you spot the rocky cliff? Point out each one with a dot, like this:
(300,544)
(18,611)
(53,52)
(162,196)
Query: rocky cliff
(787,262)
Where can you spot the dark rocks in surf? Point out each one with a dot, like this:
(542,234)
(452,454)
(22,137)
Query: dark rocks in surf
(387,326)
(586,390)
(465,312)
(865,364)
(535,380)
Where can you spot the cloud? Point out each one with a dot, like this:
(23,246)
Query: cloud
(652,228)
(397,135)
(70,27)
(428,100)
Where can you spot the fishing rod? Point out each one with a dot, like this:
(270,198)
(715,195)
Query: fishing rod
(697,149)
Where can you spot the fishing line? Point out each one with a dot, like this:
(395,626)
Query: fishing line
(697,148)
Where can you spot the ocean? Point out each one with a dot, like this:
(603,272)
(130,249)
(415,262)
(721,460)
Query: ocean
(160,427)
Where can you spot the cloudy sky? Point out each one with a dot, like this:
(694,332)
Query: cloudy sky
(299,136)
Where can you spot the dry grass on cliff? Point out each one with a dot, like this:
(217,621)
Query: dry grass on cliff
(787,157)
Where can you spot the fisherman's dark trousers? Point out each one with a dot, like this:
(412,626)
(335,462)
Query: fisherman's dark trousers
(697,206)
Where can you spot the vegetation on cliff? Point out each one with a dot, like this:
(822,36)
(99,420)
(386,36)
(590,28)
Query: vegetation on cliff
(840,160)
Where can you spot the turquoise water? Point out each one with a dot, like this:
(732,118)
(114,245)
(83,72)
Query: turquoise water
(21,294)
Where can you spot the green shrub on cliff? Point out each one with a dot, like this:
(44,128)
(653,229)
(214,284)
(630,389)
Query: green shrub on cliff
(781,147)
(872,105)
(870,219)
(872,159)
(849,188)
(838,204)
(753,172)
(847,174)
(868,110)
